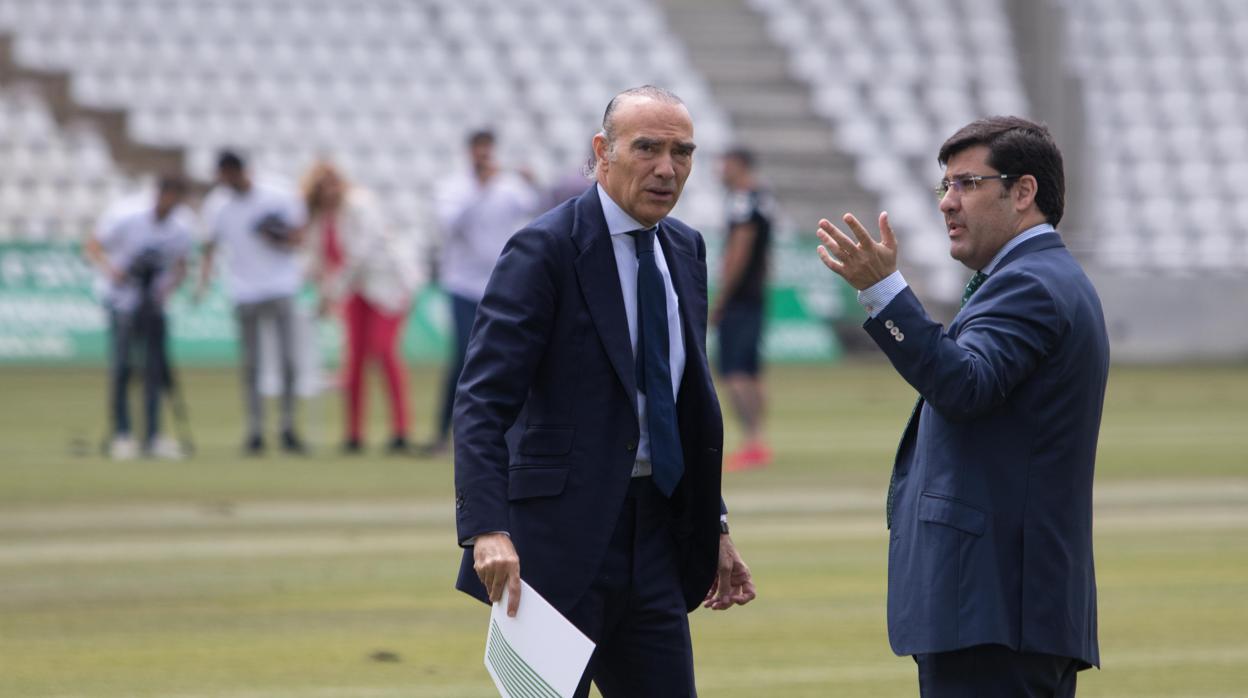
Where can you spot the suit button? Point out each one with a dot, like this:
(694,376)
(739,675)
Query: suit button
(631,445)
(888,324)
(894,331)
(900,336)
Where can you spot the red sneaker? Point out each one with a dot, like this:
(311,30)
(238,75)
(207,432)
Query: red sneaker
(754,456)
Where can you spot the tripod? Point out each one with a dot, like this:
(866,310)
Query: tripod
(146,328)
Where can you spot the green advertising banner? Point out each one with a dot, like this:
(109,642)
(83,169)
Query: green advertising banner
(49,313)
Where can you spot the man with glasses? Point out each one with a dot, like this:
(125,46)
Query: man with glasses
(991,582)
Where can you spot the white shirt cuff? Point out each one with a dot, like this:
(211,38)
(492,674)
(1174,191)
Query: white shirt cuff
(877,297)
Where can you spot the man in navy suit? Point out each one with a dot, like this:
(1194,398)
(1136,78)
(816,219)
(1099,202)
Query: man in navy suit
(990,577)
(587,432)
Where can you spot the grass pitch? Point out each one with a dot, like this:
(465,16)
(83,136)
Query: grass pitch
(332,576)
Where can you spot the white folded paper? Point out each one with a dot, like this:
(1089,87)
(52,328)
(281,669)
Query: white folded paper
(537,654)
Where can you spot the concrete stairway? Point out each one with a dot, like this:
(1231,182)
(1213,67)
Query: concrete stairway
(770,111)
(135,158)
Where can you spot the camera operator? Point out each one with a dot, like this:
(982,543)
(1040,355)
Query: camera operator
(141,255)
(259,227)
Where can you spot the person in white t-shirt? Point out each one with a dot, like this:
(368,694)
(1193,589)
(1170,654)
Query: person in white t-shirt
(478,212)
(258,226)
(140,249)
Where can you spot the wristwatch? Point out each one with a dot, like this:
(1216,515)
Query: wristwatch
(723,527)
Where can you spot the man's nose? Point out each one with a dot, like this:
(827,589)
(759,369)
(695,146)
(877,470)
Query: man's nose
(665,168)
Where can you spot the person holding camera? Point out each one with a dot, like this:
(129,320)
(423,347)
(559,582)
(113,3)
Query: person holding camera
(141,253)
(259,228)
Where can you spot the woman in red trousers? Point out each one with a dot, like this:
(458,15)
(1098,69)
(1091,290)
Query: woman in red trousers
(368,271)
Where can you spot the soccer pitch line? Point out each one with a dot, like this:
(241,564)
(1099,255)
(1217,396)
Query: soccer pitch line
(136,533)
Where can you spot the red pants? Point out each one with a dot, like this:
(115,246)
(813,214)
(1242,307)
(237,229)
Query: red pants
(373,333)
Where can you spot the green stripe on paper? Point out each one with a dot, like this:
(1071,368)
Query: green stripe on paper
(516,675)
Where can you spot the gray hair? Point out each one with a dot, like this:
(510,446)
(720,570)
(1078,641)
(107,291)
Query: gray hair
(658,94)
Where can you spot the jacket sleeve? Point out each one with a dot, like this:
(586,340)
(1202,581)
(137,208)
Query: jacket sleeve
(505,348)
(1007,330)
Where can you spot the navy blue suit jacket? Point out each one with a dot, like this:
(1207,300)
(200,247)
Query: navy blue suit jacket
(991,541)
(546,424)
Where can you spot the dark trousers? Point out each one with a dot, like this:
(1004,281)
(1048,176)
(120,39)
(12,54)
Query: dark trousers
(989,671)
(146,332)
(463,312)
(635,610)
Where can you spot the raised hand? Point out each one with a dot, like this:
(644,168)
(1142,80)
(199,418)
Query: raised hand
(863,263)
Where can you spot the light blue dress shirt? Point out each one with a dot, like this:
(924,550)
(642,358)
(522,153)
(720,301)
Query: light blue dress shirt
(620,224)
(876,298)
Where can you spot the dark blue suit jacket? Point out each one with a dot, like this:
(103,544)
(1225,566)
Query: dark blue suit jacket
(546,424)
(991,539)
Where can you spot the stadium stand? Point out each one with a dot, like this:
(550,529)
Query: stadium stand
(1166,86)
(846,102)
(770,110)
(894,78)
(385,87)
(56,180)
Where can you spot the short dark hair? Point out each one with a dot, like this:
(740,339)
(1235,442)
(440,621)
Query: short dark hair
(741,154)
(172,184)
(230,160)
(481,136)
(1019,147)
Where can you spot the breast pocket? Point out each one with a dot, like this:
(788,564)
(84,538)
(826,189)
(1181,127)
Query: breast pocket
(946,511)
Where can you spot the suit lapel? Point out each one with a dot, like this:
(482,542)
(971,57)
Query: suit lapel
(679,267)
(599,277)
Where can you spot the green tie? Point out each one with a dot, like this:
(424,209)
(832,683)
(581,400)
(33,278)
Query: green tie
(971,287)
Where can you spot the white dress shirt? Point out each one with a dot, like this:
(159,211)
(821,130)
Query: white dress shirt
(476,222)
(620,224)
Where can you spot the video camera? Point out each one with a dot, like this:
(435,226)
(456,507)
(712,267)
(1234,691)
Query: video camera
(145,267)
(275,229)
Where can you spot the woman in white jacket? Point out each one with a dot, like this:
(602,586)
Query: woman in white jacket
(368,271)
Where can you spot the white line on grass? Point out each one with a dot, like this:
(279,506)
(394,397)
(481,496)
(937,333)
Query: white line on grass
(66,518)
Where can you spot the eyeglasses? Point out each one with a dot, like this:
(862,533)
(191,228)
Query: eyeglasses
(964,183)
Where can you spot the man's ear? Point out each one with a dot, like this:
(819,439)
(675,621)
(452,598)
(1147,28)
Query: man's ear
(1024,192)
(600,149)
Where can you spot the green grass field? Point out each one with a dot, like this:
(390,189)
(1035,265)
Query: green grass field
(220,576)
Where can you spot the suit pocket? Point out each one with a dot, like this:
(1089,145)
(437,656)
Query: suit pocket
(529,482)
(546,441)
(938,509)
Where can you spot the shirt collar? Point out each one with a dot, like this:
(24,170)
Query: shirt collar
(618,222)
(1015,242)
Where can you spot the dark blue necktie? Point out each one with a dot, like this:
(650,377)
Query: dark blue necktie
(971,287)
(654,372)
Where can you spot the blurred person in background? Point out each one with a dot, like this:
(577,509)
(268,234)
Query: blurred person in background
(477,211)
(259,226)
(740,304)
(364,268)
(591,341)
(140,252)
(991,586)
(569,185)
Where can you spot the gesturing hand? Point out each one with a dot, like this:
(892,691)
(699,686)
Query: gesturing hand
(495,561)
(733,583)
(862,264)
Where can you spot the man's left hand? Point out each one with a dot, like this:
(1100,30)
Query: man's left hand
(864,263)
(733,584)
